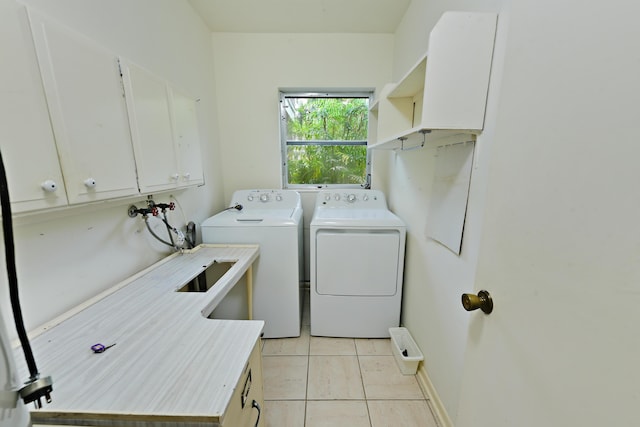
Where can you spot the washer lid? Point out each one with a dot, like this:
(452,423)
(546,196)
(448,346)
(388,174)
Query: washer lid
(337,217)
(254,217)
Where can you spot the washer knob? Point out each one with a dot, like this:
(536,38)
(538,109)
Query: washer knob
(351,198)
(337,196)
(327,197)
(250,197)
(264,197)
(279,198)
(365,198)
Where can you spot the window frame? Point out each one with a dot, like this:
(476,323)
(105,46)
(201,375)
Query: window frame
(284,143)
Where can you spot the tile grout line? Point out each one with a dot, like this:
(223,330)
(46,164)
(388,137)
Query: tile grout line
(364,390)
(359,353)
(306,390)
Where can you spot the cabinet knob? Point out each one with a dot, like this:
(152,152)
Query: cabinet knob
(49,186)
(175,176)
(90,183)
(186,176)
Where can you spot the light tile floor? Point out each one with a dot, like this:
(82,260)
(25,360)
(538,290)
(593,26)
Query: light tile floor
(317,381)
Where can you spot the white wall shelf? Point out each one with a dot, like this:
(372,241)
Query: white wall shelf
(445,92)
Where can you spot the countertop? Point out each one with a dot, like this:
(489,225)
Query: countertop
(170,362)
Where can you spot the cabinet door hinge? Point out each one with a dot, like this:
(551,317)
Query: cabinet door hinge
(121,78)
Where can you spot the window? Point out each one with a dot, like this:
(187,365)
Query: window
(324,139)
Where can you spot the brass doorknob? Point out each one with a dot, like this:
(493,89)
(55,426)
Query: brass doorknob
(481,301)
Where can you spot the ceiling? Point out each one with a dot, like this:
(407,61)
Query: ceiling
(301,16)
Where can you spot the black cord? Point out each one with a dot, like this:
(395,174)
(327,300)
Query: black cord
(237,207)
(7,227)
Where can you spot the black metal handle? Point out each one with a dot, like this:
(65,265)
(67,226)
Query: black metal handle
(256,405)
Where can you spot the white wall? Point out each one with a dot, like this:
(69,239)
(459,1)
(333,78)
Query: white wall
(251,68)
(435,277)
(68,256)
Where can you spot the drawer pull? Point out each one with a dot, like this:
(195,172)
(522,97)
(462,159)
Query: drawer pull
(256,405)
(245,390)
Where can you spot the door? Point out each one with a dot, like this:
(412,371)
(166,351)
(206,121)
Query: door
(560,251)
(357,262)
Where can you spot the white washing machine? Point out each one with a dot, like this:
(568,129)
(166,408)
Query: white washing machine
(357,263)
(272,219)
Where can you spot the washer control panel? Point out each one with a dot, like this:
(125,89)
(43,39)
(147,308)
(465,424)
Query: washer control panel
(358,199)
(265,199)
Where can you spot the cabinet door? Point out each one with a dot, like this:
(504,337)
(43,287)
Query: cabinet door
(247,402)
(26,138)
(150,120)
(89,116)
(458,71)
(187,139)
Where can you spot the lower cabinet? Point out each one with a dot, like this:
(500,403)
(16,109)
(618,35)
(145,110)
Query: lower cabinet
(245,409)
(247,404)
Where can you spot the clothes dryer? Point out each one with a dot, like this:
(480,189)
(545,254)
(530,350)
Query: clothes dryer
(273,220)
(357,263)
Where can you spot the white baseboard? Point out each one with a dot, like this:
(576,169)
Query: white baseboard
(439,411)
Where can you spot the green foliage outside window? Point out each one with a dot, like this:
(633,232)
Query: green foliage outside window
(326,140)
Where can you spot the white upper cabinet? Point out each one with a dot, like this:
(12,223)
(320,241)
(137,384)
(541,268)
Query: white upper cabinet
(76,126)
(164,129)
(458,68)
(187,138)
(26,138)
(88,113)
(150,121)
(446,91)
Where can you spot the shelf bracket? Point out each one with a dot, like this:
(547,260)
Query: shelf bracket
(424,133)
